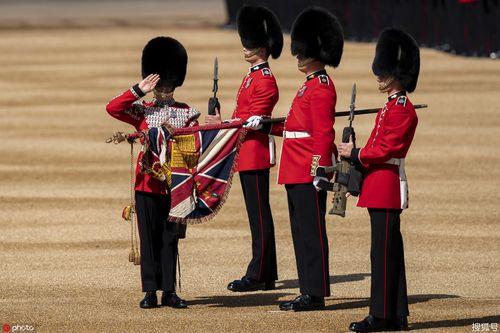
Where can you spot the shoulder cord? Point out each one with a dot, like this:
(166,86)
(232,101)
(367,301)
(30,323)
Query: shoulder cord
(134,255)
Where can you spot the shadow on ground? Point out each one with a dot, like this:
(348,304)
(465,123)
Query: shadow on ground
(413,299)
(290,284)
(455,323)
(240,300)
(365,302)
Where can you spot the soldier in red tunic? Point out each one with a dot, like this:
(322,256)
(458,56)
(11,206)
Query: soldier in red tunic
(164,62)
(384,191)
(261,37)
(317,40)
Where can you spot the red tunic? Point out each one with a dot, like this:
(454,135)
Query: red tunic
(144,115)
(308,130)
(258,94)
(384,185)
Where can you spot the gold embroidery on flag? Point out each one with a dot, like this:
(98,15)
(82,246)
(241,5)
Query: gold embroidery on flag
(184,153)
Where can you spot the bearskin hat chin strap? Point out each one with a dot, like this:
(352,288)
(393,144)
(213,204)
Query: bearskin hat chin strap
(252,53)
(303,63)
(163,96)
(384,86)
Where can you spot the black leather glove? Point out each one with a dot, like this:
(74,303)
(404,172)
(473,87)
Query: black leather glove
(213,103)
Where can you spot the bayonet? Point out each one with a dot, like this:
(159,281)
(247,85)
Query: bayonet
(352,106)
(216,77)
(213,102)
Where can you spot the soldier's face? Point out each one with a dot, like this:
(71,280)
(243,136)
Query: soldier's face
(163,93)
(305,64)
(388,84)
(255,55)
(384,83)
(249,53)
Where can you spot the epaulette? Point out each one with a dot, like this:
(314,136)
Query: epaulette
(402,100)
(266,72)
(324,79)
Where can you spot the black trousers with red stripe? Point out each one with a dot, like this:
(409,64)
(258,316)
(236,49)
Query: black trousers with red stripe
(255,185)
(307,209)
(388,281)
(159,241)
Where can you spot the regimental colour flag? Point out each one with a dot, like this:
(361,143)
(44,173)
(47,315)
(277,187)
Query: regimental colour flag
(202,162)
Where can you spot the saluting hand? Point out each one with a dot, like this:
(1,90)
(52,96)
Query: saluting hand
(149,83)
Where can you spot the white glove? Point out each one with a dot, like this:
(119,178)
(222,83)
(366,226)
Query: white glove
(253,123)
(316,181)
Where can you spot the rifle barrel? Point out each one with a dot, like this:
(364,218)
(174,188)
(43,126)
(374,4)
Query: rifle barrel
(339,114)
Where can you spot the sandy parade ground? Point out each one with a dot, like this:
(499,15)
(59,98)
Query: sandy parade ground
(64,246)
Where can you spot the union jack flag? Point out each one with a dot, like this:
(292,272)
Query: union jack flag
(202,161)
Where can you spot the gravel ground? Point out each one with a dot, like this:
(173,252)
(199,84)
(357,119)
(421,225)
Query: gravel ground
(64,246)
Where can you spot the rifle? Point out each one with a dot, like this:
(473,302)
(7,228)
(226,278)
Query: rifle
(339,114)
(347,177)
(213,102)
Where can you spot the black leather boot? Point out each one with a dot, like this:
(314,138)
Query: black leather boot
(372,324)
(247,284)
(304,303)
(170,298)
(149,301)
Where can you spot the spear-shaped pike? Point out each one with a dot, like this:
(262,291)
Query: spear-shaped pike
(213,102)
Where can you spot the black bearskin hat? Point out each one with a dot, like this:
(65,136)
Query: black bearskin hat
(167,57)
(397,55)
(259,27)
(317,33)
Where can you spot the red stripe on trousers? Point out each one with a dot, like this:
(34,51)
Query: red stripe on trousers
(385,262)
(322,248)
(261,229)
